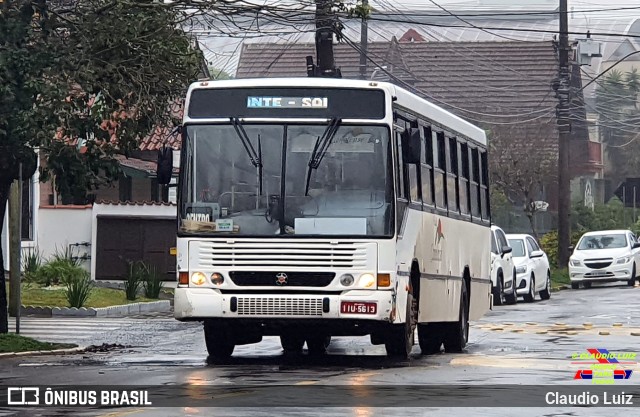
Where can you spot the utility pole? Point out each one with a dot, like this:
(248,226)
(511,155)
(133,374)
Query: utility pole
(325,25)
(15,238)
(364,42)
(562,87)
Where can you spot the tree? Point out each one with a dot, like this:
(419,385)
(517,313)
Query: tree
(619,120)
(82,84)
(87,79)
(519,173)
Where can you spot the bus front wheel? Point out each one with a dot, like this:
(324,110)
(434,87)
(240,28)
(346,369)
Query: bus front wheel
(399,340)
(219,345)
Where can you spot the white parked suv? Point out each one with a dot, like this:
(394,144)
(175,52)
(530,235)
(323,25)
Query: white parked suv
(605,256)
(503,271)
(533,275)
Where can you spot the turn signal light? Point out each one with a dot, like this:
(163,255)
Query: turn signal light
(183,278)
(384,280)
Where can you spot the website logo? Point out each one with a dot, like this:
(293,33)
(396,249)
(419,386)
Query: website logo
(23,396)
(603,367)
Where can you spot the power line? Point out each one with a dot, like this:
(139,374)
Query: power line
(523,13)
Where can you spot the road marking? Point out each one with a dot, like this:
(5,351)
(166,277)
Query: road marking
(306,383)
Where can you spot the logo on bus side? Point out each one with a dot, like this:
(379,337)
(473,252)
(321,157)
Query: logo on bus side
(439,232)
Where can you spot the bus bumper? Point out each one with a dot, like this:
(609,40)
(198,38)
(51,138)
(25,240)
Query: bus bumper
(208,303)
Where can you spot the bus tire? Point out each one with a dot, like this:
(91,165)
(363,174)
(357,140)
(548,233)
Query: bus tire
(497,291)
(456,334)
(399,340)
(219,345)
(318,345)
(429,338)
(292,343)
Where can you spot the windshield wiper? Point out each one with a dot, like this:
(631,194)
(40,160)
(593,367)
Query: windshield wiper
(255,157)
(320,148)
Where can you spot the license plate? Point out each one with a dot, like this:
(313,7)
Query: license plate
(598,273)
(355,307)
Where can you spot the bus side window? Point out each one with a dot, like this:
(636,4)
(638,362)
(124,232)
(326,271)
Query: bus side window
(463,179)
(401,174)
(484,186)
(439,174)
(413,172)
(452,174)
(426,166)
(475,182)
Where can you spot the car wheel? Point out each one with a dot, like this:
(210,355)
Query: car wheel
(586,285)
(513,297)
(497,292)
(531,295)
(632,280)
(575,285)
(546,293)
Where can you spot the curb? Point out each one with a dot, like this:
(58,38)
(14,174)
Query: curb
(160,306)
(44,352)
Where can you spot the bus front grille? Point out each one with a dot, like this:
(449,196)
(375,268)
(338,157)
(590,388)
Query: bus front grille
(279,306)
(279,255)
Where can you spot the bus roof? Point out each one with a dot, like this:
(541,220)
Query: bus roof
(403,97)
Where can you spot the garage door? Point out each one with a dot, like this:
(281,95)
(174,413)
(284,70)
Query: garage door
(120,240)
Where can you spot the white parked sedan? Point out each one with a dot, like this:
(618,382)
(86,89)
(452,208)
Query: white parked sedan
(605,256)
(533,275)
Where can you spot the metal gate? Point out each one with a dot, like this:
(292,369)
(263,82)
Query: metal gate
(122,240)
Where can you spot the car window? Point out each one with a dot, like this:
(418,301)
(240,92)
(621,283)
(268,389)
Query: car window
(533,245)
(518,248)
(502,239)
(603,241)
(529,246)
(494,246)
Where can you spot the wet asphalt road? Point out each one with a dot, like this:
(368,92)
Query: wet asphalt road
(528,343)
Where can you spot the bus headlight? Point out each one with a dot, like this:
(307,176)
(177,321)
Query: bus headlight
(217,278)
(198,278)
(367,281)
(347,280)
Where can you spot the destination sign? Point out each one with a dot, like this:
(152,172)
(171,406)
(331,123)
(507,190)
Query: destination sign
(287,102)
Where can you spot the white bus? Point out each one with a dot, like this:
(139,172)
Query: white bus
(314,207)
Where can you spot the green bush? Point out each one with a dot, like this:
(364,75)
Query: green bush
(549,244)
(134,279)
(152,283)
(78,288)
(31,263)
(57,271)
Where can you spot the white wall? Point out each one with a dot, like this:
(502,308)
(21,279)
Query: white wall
(60,226)
(124,210)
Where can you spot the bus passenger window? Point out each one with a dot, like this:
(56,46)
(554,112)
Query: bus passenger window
(475,182)
(414,183)
(401,177)
(463,180)
(452,174)
(484,186)
(426,167)
(439,170)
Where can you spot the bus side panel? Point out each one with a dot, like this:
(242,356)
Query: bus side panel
(444,247)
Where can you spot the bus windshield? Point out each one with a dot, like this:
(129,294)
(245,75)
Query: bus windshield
(231,183)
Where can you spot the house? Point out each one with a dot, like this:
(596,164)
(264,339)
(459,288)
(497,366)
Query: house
(504,87)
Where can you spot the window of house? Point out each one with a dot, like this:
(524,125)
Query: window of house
(463,180)
(439,171)
(452,175)
(426,166)
(27,209)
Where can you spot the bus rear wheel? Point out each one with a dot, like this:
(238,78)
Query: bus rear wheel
(292,344)
(456,334)
(399,340)
(429,338)
(219,345)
